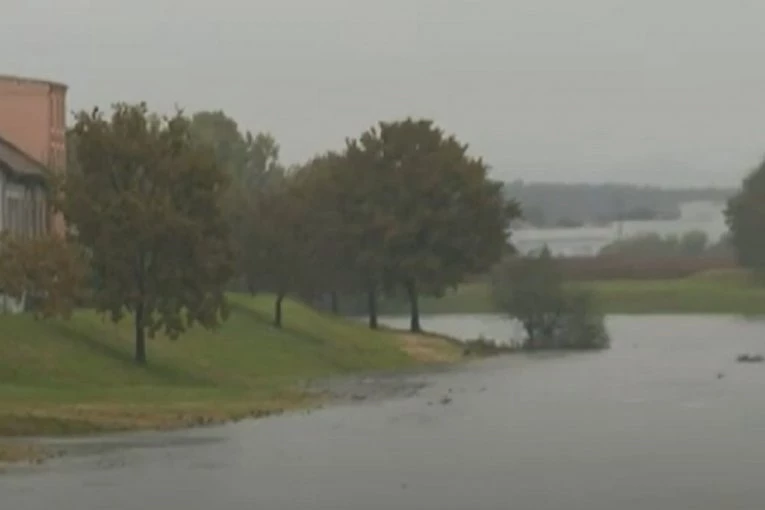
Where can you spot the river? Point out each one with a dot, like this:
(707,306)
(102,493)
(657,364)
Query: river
(665,420)
(706,217)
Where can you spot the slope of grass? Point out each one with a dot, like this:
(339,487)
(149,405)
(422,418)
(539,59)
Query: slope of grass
(712,292)
(76,376)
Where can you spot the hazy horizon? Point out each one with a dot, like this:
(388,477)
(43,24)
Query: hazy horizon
(655,92)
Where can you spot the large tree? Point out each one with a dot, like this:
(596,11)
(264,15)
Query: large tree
(745,215)
(432,216)
(146,203)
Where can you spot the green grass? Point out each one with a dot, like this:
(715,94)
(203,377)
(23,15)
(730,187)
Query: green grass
(713,292)
(78,376)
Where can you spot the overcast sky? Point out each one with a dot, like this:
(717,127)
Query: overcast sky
(649,91)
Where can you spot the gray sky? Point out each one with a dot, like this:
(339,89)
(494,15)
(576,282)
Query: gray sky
(649,91)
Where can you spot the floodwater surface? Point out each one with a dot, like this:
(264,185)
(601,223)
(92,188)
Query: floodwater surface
(665,420)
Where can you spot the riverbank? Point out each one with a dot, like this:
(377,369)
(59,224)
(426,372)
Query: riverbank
(77,377)
(717,292)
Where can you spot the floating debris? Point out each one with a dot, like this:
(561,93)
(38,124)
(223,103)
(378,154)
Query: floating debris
(446,400)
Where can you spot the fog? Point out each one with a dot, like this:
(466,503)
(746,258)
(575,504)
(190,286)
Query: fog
(665,92)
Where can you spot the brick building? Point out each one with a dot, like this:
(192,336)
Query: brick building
(33,121)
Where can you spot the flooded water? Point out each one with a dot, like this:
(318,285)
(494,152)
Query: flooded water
(665,420)
(707,217)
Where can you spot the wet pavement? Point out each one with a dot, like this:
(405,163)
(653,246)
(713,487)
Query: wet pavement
(667,419)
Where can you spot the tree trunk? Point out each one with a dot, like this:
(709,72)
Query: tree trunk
(372,307)
(140,336)
(278,310)
(414,307)
(334,302)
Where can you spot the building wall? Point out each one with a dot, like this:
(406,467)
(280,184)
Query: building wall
(25,117)
(22,207)
(33,117)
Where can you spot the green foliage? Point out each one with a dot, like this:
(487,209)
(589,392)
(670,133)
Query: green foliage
(146,203)
(280,243)
(531,290)
(423,213)
(251,162)
(252,165)
(745,215)
(48,271)
(690,244)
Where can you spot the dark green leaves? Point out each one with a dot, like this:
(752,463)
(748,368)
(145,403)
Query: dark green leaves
(146,202)
(746,219)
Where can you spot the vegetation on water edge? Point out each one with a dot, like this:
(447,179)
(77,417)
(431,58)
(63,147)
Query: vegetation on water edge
(714,292)
(60,377)
(532,290)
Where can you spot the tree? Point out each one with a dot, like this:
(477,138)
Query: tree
(432,215)
(250,161)
(531,290)
(221,134)
(263,168)
(252,164)
(47,272)
(280,255)
(146,203)
(333,254)
(745,215)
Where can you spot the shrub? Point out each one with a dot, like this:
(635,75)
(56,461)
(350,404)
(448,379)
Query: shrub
(530,289)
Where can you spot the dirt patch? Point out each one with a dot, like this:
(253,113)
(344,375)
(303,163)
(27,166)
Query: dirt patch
(429,349)
(16,452)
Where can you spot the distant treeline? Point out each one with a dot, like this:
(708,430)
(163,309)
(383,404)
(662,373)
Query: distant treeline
(570,205)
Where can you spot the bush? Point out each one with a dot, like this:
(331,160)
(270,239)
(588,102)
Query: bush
(580,327)
(530,289)
(46,271)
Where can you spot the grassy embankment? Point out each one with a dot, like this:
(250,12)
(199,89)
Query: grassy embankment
(712,292)
(74,377)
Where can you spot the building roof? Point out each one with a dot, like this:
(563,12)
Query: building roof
(36,81)
(18,162)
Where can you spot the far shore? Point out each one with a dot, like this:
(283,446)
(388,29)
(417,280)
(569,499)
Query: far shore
(728,293)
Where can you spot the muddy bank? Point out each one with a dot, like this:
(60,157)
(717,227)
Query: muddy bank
(377,386)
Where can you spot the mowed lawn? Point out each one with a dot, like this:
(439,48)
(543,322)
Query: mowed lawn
(76,376)
(714,292)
